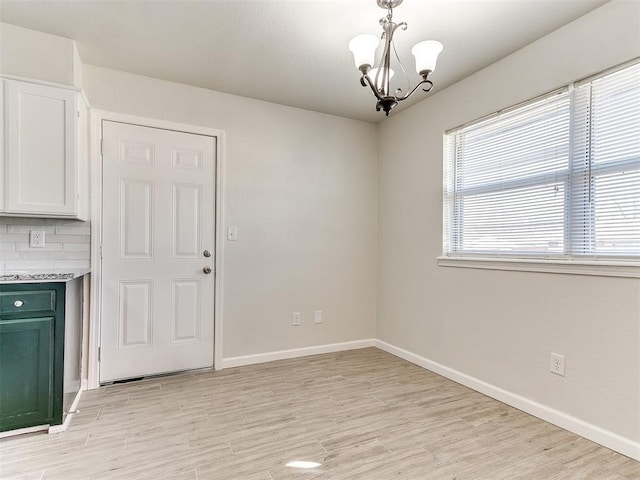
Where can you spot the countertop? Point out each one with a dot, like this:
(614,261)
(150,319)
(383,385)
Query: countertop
(57,275)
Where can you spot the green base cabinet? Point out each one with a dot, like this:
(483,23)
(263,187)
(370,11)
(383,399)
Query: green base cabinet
(31,354)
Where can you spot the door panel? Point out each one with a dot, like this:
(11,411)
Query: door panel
(158,218)
(185,314)
(136,218)
(186,221)
(134,320)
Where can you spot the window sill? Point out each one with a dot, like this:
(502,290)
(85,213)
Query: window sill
(603,268)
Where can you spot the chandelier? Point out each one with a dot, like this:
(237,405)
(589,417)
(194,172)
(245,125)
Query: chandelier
(379,77)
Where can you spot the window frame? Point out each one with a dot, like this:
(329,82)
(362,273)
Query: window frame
(568,262)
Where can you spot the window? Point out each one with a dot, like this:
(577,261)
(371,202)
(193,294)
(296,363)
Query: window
(555,178)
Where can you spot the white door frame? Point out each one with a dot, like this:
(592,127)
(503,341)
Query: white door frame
(97,116)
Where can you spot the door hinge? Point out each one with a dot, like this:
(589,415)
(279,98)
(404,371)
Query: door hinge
(99,353)
(101,147)
(100,250)
(78,113)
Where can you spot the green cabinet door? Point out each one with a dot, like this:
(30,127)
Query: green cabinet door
(26,372)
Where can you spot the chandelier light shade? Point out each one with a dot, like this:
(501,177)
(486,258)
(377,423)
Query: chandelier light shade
(426,54)
(364,49)
(378,76)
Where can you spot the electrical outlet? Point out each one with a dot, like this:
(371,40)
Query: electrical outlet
(317,316)
(296,319)
(36,238)
(557,364)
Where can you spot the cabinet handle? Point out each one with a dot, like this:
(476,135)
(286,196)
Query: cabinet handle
(18,303)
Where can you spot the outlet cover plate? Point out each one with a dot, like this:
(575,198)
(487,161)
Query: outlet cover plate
(557,364)
(296,319)
(317,316)
(36,238)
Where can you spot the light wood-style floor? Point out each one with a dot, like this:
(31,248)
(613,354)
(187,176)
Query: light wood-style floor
(361,414)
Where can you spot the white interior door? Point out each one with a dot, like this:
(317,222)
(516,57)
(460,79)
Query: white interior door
(158,229)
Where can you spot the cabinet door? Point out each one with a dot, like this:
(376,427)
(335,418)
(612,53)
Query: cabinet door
(41,142)
(3,151)
(26,376)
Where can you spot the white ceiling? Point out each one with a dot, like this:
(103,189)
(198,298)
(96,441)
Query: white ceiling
(292,52)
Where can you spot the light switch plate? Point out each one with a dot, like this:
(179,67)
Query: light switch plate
(232,233)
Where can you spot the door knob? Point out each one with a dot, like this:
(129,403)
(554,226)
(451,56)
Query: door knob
(207,270)
(207,253)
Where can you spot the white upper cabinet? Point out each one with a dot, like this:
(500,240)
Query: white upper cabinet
(43,165)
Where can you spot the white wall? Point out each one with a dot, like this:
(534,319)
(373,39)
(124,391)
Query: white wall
(500,326)
(40,56)
(301,187)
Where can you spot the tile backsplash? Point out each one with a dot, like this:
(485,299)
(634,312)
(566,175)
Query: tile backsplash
(67,244)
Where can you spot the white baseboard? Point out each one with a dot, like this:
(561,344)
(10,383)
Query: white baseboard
(587,430)
(68,416)
(22,431)
(592,432)
(295,353)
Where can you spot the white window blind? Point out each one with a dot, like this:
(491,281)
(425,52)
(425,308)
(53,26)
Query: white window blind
(557,177)
(606,164)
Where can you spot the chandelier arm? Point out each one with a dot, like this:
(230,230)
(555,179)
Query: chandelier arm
(404,72)
(394,27)
(429,84)
(388,30)
(384,66)
(365,80)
